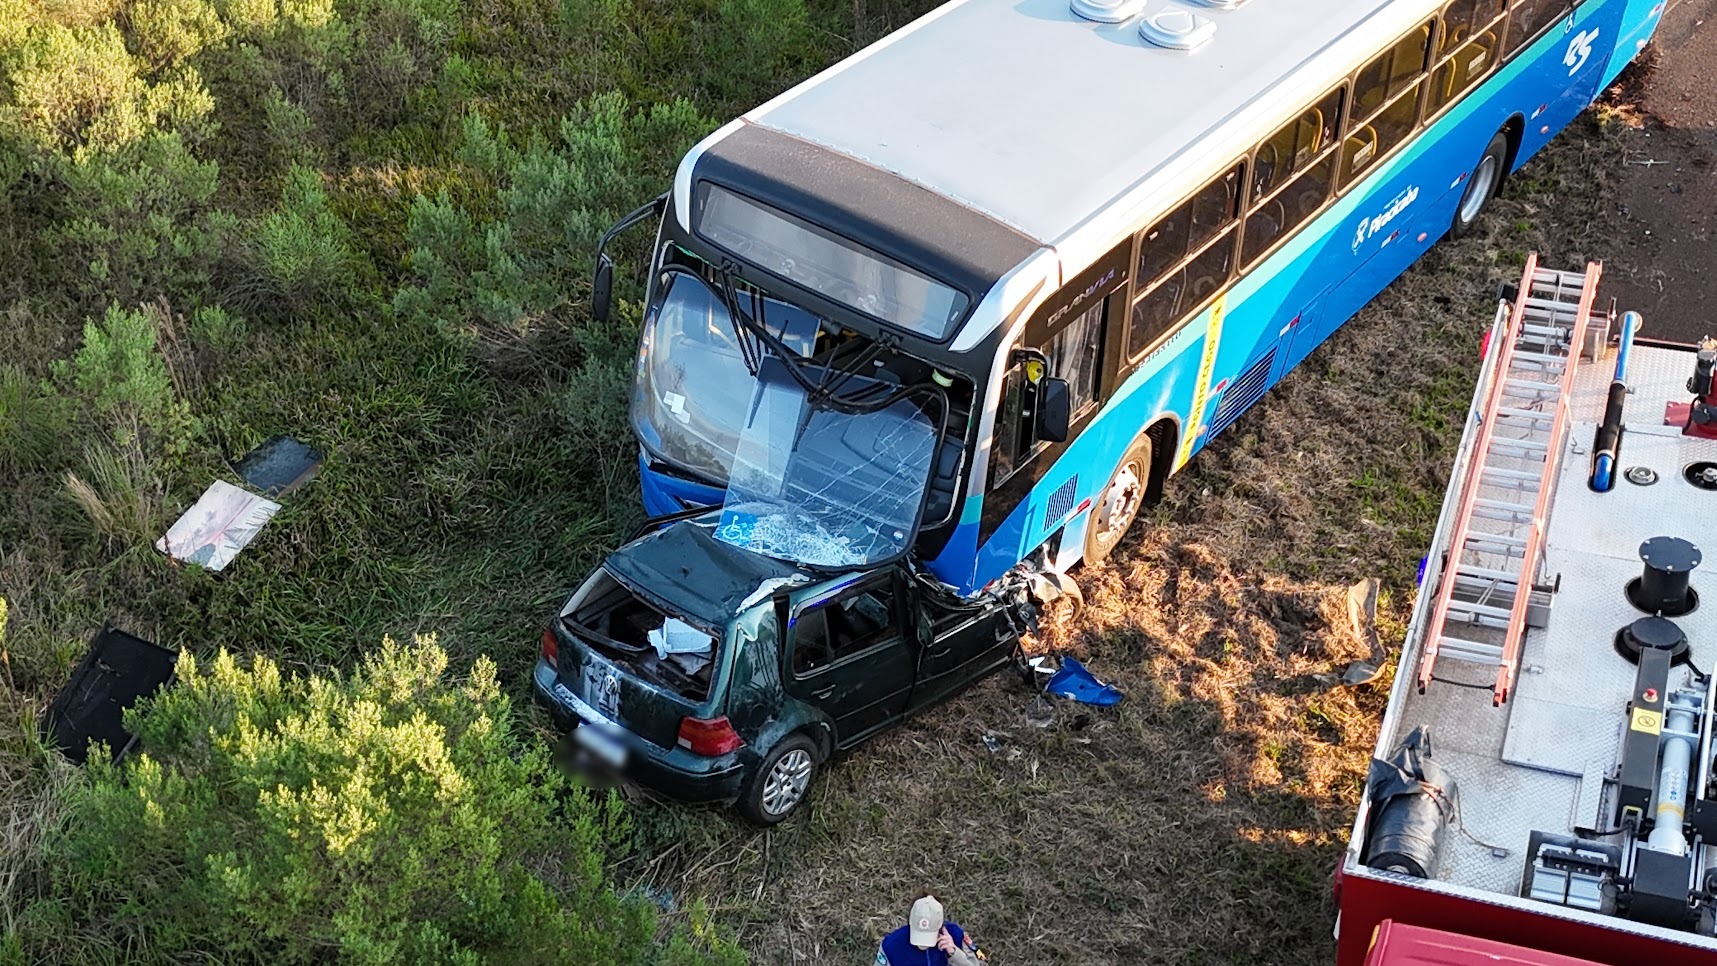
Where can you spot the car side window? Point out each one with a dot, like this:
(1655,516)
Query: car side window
(832,630)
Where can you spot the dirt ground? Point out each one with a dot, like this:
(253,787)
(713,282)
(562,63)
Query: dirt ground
(1198,822)
(1661,256)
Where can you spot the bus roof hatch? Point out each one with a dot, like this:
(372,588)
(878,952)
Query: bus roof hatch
(1177,30)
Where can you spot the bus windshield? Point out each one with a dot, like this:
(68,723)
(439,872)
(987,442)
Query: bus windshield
(694,382)
(828,264)
(825,487)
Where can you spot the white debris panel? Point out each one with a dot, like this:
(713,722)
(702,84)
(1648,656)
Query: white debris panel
(222,522)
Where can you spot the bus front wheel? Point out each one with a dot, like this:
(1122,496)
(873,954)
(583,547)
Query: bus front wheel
(1482,185)
(1117,506)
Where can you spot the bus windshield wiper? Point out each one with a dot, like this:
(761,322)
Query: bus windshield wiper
(823,392)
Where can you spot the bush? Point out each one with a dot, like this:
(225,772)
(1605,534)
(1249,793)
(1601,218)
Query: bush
(758,45)
(398,49)
(140,224)
(126,382)
(216,332)
(502,275)
(595,406)
(388,815)
(76,88)
(15,19)
(32,423)
(170,31)
(303,250)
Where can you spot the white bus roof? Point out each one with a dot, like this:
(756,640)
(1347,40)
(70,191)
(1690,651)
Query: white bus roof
(1040,119)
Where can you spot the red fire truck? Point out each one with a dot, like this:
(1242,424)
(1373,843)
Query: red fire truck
(1542,788)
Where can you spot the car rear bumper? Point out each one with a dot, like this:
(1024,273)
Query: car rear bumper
(675,772)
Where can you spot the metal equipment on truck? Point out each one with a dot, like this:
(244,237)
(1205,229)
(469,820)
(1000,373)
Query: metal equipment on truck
(1544,773)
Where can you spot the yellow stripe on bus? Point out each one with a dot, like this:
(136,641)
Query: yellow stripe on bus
(1201,391)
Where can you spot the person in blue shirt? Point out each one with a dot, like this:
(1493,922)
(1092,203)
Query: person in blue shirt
(927,939)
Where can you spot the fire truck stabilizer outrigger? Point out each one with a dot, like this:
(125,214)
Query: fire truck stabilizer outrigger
(1542,791)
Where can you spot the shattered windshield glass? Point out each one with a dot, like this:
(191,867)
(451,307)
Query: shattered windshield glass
(827,488)
(693,384)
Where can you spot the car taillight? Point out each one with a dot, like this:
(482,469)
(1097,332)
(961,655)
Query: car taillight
(708,736)
(551,648)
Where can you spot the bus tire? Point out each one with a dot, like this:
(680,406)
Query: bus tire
(1117,505)
(1482,185)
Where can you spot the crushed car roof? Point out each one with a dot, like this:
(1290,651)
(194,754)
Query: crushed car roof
(686,566)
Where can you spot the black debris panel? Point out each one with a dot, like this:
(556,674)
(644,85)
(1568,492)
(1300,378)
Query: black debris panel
(1412,801)
(119,669)
(279,466)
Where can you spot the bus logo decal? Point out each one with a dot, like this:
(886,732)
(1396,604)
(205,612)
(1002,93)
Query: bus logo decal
(1579,49)
(1369,227)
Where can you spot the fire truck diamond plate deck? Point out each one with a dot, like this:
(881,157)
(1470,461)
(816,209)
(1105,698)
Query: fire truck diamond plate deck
(1556,787)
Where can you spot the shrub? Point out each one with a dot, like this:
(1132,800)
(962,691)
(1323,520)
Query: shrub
(758,45)
(595,405)
(15,19)
(503,274)
(74,88)
(32,423)
(287,128)
(32,779)
(388,815)
(125,380)
(398,48)
(303,250)
(215,331)
(140,223)
(170,31)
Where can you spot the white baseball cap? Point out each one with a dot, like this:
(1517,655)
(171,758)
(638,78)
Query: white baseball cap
(926,922)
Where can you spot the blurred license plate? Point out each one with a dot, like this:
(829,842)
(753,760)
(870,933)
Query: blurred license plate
(604,746)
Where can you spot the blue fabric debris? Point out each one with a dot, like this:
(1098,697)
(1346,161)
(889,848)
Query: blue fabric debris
(1074,681)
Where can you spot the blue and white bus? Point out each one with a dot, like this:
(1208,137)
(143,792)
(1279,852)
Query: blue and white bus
(979,289)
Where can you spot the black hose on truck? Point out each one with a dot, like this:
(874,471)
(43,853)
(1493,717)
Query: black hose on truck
(1412,800)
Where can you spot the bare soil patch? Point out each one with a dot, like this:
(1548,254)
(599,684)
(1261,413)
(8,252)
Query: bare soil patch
(1662,246)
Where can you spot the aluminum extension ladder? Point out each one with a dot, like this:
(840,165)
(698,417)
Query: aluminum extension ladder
(1485,598)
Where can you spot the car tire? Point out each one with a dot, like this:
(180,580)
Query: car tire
(1482,185)
(1117,505)
(781,783)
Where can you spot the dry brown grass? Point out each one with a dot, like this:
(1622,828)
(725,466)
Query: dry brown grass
(1198,822)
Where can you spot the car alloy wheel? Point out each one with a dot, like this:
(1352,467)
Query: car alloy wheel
(785,785)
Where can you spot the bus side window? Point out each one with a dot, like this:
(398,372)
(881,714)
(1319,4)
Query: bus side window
(1466,50)
(1289,150)
(1376,123)
(1195,222)
(1166,299)
(1465,19)
(1528,18)
(1303,152)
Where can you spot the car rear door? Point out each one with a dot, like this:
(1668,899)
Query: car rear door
(961,646)
(848,655)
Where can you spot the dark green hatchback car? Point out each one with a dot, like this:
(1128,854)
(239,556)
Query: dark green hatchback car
(714,674)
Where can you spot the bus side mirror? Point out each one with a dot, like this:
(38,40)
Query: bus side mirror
(602,289)
(1054,410)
